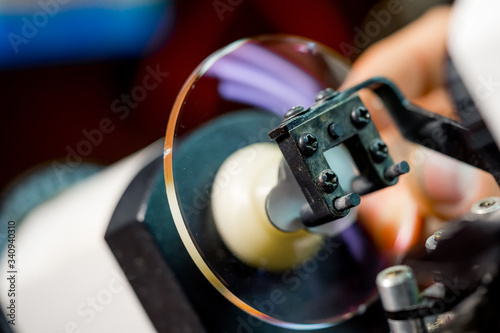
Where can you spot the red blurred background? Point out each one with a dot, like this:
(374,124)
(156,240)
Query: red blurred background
(46,108)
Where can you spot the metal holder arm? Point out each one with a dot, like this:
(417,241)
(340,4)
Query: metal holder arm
(423,127)
(341,118)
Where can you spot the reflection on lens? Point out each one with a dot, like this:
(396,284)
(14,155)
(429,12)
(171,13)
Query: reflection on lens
(220,167)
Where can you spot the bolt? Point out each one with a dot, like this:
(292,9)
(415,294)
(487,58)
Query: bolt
(360,116)
(487,203)
(396,170)
(335,130)
(325,94)
(328,180)
(398,290)
(432,241)
(395,273)
(295,111)
(437,235)
(486,206)
(378,150)
(308,144)
(346,202)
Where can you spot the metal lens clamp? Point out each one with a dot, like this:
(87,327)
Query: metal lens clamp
(341,118)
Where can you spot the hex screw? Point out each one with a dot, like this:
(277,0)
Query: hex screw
(348,201)
(328,180)
(325,94)
(486,206)
(438,234)
(378,150)
(308,144)
(335,130)
(360,116)
(294,112)
(396,170)
(486,203)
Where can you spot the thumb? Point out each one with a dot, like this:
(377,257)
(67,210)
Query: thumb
(446,187)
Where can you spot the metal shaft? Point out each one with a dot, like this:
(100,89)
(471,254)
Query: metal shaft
(396,170)
(398,290)
(347,201)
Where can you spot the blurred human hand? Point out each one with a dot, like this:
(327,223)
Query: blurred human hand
(414,58)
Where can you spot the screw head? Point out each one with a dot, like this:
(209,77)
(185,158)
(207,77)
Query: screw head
(395,273)
(335,130)
(438,234)
(486,203)
(328,180)
(378,150)
(308,144)
(295,111)
(325,94)
(486,206)
(360,116)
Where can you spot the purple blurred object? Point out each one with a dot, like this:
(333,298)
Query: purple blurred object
(253,75)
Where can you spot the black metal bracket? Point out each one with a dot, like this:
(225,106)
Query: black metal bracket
(141,260)
(341,118)
(306,136)
(421,126)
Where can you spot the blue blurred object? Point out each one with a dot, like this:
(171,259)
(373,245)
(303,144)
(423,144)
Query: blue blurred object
(54,31)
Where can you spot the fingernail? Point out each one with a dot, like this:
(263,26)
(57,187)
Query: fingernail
(447,180)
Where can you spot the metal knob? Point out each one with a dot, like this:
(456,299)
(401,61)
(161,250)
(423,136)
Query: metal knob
(398,290)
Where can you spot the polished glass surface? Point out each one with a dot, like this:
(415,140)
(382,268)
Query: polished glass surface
(232,100)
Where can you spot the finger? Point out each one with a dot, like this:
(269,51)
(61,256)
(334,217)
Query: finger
(438,101)
(412,57)
(445,187)
(391,217)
